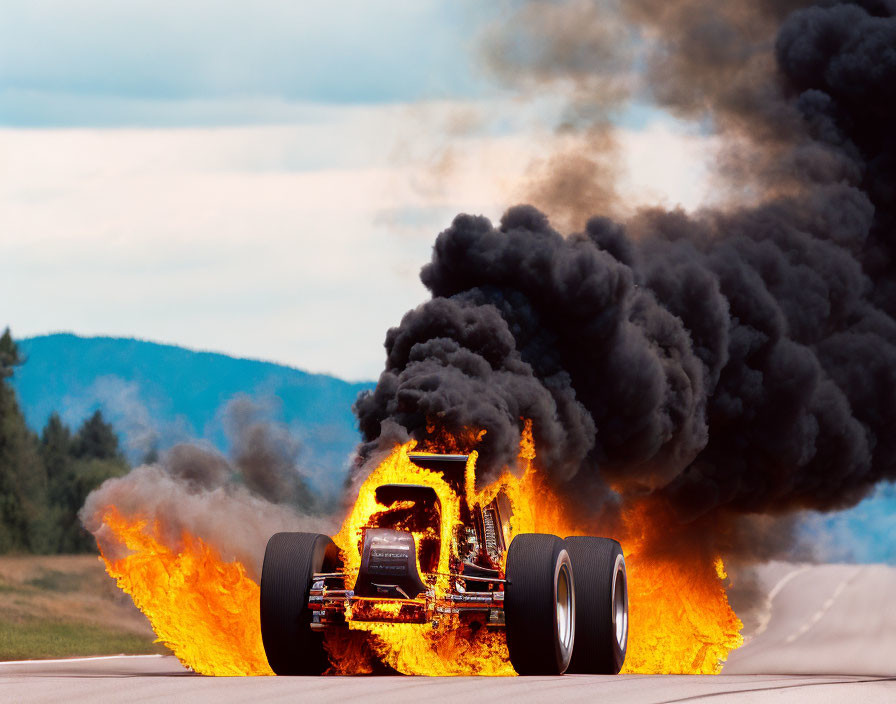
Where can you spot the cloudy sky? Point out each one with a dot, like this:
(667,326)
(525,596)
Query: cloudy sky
(264,179)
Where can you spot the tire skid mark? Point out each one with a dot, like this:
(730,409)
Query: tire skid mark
(766,617)
(825,607)
(821,683)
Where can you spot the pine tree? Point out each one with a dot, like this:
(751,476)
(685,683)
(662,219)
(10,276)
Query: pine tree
(152,454)
(9,355)
(56,452)
(44,482)
(96,439)
(25,524)
(93,455)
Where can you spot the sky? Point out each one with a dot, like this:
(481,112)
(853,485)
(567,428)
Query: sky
(265,179)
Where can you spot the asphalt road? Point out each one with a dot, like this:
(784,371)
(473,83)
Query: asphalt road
(828,635)
(827,619)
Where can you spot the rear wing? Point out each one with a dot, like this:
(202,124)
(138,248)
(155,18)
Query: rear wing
(452,467)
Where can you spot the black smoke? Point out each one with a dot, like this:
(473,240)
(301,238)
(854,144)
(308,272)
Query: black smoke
(738,360)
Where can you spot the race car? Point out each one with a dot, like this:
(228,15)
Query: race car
(563,603)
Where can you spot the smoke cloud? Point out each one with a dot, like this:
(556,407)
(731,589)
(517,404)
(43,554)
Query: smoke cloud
(730,362)
(583,51)
(234,503)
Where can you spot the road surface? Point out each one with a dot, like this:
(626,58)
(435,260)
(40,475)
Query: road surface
(825,619)
(828,635)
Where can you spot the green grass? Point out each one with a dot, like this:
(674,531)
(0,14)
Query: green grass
(56,581)
(64,606)
(6,588)
(48,639)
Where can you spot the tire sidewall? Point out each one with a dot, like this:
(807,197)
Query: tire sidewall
(619,650)
(563,653)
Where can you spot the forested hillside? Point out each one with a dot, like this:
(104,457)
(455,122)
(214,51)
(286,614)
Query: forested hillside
(158,395)
(75,411)
(45,478)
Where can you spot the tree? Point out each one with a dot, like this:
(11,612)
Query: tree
(24,520)
(76,466)
(152,454)
(44,482)
(9,355)
(96,439)
(56,452)
(88,474)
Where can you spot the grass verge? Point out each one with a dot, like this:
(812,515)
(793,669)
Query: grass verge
(34,639)
(55,606)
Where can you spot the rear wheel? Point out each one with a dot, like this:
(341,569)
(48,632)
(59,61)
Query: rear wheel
(539,605)
(290,559)
(601,605)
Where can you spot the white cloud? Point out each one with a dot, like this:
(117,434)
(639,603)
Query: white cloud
(299,244)
(95,56)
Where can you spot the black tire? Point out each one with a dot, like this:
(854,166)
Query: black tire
(540,635)
(290,645)
(598,567)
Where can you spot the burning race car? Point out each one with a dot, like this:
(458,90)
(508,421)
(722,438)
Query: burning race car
(562,603)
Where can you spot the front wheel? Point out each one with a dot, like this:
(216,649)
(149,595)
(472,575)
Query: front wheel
(290,559)
(539,605)
(601,605)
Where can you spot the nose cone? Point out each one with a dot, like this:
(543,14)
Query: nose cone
(389,565)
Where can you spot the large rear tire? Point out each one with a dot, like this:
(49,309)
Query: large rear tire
(539,605)
(290,559)
(601,605)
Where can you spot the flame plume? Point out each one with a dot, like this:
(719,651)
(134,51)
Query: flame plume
(417,648)
(204,609)
(680,619)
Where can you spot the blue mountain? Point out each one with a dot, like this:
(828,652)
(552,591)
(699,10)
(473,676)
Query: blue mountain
(157,395)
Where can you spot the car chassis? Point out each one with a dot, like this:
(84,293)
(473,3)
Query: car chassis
(547,593)
(388,587)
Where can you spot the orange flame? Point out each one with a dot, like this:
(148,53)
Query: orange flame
(204,609)
(679,617)
(397,468)
(417,648)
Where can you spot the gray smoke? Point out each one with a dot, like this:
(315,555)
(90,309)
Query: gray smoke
(584,51)
(233,503)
